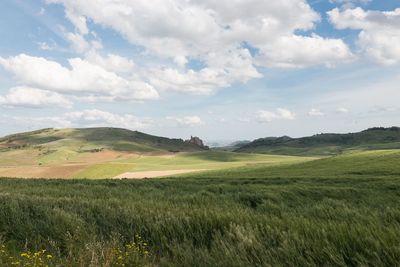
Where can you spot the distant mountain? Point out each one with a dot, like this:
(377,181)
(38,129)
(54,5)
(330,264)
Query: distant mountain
(94,139)
(231,146)
(326,144)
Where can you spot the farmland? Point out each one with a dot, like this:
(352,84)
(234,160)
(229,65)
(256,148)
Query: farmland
(338,211)
(110,152)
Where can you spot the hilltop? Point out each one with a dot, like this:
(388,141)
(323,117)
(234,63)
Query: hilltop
(326,144)
(70,153)
(95,139)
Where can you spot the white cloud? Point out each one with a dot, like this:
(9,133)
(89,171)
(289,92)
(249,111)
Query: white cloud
(33,97)
(85,118)
(342,110)
(45,46)
(111,62)
(82,77)
(279,114)
(315,112)
(380,31)
(78,21)
(382,109)
(78,42)
(34,123)
(227,68)
(301,51)
(212,32)
(350,3)
(96,118)
(187,121)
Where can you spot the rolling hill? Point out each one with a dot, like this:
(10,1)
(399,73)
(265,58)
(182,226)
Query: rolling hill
(91,139)
(65,153)
(112,152)
(326,144)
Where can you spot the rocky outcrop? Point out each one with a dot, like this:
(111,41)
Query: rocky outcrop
(197,142)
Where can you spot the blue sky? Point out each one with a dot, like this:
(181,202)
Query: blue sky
(218,70)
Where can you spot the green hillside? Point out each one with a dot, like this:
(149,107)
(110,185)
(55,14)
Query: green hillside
(326,144)
(357,164)
(90,139)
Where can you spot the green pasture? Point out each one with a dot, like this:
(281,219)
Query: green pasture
(208,160)
(339,211)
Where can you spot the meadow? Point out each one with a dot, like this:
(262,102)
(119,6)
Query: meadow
(25,163)
(338,211)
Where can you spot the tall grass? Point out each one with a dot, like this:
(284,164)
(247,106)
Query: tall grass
(344,213)
(208,222)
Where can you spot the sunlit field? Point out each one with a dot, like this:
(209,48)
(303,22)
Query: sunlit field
(340,211)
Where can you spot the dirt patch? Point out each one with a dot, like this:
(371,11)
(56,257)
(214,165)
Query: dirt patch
(23,172)
(153,174)
(106,155)
(65,171)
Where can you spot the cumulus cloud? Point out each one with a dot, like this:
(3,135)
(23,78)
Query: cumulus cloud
(84,118)
(279,114)
(302,51)
(96,118)
(315,112)
(212,32)
(82,77)
(111,62)
(187,121)
(33,98)
(239,68)
(380,31)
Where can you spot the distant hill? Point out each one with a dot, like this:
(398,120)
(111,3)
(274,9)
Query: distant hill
(94,139)
(232,146)
(326,144)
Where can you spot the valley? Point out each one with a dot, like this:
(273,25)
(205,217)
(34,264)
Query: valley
(84,202)
(109,152)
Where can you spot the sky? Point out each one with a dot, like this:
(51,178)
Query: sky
(222,70)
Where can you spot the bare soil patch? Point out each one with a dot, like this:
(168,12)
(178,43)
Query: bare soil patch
(106,155)
(33,172)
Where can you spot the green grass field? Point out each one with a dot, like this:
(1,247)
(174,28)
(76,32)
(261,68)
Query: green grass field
(208,160)
(340,211)
(101,165)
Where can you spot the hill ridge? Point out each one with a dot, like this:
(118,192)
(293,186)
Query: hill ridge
(113,138)
(326,143)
